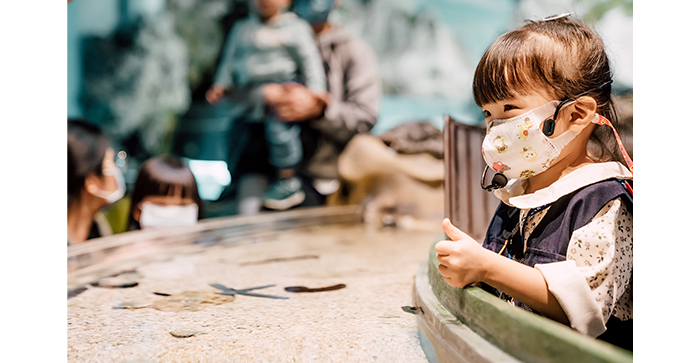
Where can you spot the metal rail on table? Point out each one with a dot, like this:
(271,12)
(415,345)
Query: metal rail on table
(108,255)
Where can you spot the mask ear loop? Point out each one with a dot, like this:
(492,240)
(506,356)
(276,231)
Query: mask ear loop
(550,123)
(604,121)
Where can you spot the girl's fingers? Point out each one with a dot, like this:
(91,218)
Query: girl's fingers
(453,232)
(444,247)
(448,276)
(450,281)
(444,271)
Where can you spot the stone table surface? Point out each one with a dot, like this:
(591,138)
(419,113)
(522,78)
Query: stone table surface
(362,322)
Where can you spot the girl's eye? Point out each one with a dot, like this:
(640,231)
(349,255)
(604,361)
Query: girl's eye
(508,108)
(486,113)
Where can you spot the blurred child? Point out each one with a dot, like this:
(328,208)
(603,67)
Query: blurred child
(264,51)
(165,194)
(560,243)
(94,181)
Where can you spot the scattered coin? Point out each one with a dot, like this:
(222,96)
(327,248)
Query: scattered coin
(77,291)
(412,309)
(124,280)
(185,333)
(318,289)
(132,305)
(191,301)
(281,259)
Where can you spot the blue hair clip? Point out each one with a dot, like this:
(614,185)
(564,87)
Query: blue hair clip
(557,16)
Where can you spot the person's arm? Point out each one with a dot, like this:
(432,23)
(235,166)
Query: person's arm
(297,102)
(464,261)
(597,272)
(223,79)
(260,98)
(308,59)
(355,111)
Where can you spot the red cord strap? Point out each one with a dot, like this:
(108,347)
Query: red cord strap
(604,121)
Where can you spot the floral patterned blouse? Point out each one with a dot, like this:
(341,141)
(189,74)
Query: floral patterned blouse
(595,281)
(602,251)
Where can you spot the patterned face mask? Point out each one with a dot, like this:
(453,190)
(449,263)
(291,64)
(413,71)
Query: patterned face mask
(517,148)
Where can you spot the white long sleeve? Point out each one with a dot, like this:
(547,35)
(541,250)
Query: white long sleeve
(595,281)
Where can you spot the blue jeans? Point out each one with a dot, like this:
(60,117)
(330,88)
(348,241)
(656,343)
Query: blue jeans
(284,143)
(281,139)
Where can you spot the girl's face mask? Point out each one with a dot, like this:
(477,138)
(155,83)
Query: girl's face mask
(121,186)
(158,215)
(517,148)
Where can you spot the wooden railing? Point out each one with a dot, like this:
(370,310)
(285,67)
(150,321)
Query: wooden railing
(471,325)
(467,205)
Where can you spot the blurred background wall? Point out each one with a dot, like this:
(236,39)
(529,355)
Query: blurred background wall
(136,67)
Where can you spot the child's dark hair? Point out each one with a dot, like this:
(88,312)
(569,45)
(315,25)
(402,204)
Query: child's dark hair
(161,174)
(87,145)
(562,56)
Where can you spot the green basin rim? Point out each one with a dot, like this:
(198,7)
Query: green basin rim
(522,334)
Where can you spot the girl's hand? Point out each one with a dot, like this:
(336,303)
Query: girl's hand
(462,261)
(215,93)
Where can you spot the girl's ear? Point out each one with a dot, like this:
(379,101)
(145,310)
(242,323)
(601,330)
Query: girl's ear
(581,113)
(92,184)
(137,213)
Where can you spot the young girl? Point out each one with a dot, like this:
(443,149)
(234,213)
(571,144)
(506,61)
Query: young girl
(560,243)
(94,181)
(165,194)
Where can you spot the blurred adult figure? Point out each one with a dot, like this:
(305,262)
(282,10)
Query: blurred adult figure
(94,181)
(269,48)
(355,91)
(328,124)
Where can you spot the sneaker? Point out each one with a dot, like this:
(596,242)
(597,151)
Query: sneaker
(326,186)
(284,194)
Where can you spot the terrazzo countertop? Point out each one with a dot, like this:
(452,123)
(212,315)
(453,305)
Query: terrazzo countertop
(362,322)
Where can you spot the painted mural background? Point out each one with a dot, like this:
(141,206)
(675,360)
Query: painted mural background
(139,68)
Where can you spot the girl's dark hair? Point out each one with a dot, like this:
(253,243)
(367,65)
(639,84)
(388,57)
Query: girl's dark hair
(87,145)
(563,57)
(161,174)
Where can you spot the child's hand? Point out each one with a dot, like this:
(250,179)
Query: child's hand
(215,93)
(462,261)
(272,93)
(299,103)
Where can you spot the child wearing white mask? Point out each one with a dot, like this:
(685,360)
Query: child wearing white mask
(560,242)
(94,181)
(165,194)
